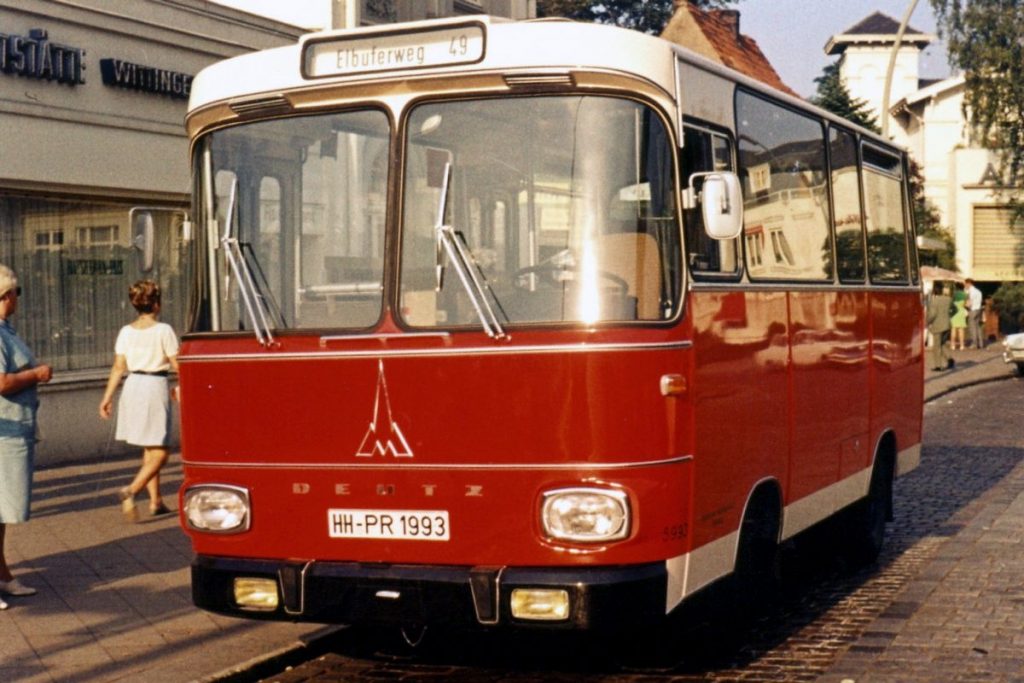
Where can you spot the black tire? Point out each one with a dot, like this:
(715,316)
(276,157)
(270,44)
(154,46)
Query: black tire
(1020,369)
(864,522)
(758,559)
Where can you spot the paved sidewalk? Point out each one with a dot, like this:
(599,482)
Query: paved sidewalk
(114,600)
(972,367)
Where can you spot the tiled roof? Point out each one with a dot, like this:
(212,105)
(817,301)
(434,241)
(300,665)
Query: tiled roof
(731,48)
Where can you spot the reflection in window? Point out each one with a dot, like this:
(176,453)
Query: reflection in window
(886,220)
(846,199)
(566,205)
(782,166)
(75,264)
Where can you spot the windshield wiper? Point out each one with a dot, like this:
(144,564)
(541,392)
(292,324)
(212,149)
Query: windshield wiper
(247,288)
(450,243)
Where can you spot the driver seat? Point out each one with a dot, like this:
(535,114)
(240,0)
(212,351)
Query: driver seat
(634,257)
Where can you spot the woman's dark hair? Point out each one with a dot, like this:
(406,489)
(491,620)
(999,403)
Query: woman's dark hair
(144,295)
(936,289)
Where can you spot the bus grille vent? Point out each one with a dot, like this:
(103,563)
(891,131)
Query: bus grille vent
(262,105)
(540,81)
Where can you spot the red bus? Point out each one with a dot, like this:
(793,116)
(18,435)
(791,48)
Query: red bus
(531,324)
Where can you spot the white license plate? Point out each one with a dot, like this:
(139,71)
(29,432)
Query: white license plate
(413,525)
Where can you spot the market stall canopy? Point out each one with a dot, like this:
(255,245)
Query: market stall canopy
(933,273)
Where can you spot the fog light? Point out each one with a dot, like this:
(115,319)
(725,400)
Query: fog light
(257,595)
(540,604)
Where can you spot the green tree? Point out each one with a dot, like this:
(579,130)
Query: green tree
(834,96)
(1008,301)
(983,40)
(648,16)
(928,224)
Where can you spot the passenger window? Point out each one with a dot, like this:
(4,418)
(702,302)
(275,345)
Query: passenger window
(846,206)
(886,220)
(786,211)
(702,152)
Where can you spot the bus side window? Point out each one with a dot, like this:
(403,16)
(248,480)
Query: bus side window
(702,152)
(886,219)
(786,213)
(846,206)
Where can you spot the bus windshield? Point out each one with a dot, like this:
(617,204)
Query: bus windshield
(304,199)
(565,206)
(559,210)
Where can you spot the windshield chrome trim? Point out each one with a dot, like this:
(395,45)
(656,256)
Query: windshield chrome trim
(442,466)
(412,353)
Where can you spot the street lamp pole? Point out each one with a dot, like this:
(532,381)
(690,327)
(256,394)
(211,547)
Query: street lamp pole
(892,67)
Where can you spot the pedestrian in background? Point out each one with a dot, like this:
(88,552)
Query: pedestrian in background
(937,317)
(19,376)
(147,350)
(958,323)
(975,305)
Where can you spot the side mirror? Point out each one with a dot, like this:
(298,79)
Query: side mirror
(143,234)
(722,205)
(144,221)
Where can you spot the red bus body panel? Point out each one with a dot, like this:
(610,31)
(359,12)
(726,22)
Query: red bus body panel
(481,432)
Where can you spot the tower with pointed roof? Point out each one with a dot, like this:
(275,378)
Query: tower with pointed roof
(865,50)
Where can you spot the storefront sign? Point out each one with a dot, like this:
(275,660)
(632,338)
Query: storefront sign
(121,74)
(34,56)
(88,266)
(990,176)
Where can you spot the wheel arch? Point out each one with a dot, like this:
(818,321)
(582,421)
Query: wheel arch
(764,498)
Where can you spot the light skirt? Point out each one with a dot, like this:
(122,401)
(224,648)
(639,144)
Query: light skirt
(144,411)
(16,461)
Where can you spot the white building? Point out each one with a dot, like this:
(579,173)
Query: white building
(962,179)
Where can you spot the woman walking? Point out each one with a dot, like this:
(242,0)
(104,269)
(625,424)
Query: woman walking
(19,376)
(147,350)
(958,322)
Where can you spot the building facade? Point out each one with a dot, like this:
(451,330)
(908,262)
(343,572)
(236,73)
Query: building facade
(962,179)
(92,101)
(351,13)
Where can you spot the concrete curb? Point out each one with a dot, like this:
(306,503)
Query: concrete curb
(276,661)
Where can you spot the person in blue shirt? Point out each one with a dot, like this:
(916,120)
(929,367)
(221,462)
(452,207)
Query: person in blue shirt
(19,376)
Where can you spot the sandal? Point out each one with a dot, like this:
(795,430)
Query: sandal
(159,510)
(128,508)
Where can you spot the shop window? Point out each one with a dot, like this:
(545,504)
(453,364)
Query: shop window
(75,266)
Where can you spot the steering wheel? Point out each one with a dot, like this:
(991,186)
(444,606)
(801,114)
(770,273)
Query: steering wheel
(547,272)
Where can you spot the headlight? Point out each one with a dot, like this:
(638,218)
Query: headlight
(217,509)
(585,515)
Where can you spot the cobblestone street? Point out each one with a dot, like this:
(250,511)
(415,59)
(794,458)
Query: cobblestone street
(944,602)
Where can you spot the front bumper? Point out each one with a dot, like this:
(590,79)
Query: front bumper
(351,593)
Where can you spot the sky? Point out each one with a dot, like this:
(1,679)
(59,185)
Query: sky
(791,33)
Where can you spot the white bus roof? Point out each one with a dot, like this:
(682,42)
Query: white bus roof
(424,48)
(527,46)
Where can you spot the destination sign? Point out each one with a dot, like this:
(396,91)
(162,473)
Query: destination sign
(394,51)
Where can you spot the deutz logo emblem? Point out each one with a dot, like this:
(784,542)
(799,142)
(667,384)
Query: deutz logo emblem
(382,439)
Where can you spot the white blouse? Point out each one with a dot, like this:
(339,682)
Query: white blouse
(147,350)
